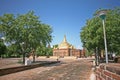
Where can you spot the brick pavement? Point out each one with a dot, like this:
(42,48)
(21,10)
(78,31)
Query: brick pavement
(66,70)
(9,62)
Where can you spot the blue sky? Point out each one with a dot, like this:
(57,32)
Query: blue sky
(66,17)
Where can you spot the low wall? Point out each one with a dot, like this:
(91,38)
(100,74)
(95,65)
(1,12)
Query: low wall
(110,71)
(21,68)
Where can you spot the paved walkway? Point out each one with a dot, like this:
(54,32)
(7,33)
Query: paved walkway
(79,69)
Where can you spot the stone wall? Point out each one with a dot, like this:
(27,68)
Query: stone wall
(110,71)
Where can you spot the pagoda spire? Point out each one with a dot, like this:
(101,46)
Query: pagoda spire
(64,40)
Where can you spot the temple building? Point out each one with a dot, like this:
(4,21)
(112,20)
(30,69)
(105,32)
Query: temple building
(66,49)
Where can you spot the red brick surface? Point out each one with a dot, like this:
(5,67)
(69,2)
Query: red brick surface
(100,70)
(79,69)
(116,77)
(108,72)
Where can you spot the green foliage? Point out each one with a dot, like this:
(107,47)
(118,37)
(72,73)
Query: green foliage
(26,29)
(13,51)
(49,51)
(2,48)
(92,33)
(55,46)
(41,51)
(44,51)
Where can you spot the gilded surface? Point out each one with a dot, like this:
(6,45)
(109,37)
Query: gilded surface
(64,44)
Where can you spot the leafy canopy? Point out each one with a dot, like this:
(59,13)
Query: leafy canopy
(25,31)
(92,33)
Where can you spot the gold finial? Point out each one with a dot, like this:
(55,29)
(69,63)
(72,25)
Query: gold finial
(64,40)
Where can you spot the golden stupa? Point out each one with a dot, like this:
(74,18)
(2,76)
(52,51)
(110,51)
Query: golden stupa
(64,44)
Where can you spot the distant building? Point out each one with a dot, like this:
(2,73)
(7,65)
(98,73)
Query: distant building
(66,49)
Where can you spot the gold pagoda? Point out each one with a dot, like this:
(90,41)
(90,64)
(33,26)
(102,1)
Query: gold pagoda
(64,44)
(66,49)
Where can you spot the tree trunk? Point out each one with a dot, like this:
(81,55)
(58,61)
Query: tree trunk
(33,55)
(23,57)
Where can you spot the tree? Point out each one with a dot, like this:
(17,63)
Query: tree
(2,48)
(41,51)
(92,34)
(55,46)
(44,51)
(25,31)
(13,50)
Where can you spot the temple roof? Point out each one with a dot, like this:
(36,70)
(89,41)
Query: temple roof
(64,44)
